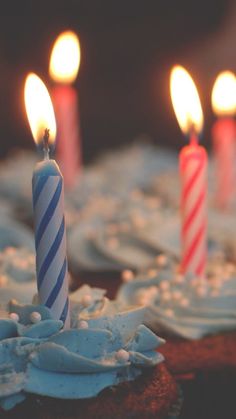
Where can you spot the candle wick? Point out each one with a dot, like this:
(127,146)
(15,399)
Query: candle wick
(193,135)
(46,144)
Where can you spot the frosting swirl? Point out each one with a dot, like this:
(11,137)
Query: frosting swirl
(186,306)
(104,347)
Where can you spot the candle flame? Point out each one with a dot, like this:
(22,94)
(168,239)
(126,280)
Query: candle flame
(185,100)
(65,58)
(223,96)
(39,109)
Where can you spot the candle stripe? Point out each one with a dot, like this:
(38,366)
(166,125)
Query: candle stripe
(195,210)
(38,188)
(51,254)
(59,282)
(189,158)
(191,250)
(189,185)
(65,311)
(48,214)
(48,238)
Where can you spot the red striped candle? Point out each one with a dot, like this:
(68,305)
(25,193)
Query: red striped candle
(63,69)
(193,173)
(224,137)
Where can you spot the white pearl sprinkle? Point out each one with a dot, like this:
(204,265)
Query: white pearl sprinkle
(161,260)
(143,300)
(164,285)
(14,316)
(169,312)
(152,273)
(86,300)
(184,302)
(166,296)
(35,317)
(122,355)
(83,324)
(127,275)
(3,280)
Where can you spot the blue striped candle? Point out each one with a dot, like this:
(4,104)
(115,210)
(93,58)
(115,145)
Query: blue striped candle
(50,239)
(48,203)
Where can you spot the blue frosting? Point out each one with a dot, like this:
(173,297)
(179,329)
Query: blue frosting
(185,306)
(104,347)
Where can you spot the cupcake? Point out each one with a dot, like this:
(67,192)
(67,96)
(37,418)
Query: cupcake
(192,312)
(105,365)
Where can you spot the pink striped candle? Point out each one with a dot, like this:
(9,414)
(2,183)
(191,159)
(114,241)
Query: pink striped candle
(63,69)
(224,137)
(193,173)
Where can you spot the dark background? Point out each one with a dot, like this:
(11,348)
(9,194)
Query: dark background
(127,50)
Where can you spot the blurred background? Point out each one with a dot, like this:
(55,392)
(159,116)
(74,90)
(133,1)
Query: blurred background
(127,50)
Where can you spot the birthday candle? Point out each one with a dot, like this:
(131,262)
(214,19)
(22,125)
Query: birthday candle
(224,136)
(48,205)
(63,69)
(193,172)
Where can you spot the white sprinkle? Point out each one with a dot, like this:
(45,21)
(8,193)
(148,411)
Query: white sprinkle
(152,273)
(230,268)
(86,300)
(35,317)
(127,275)
(83,324)
(141,297)
(184,302)
(14,316)
(164,285)
(166,296)
(138,221)
(3,280)
(122,355)
(169,312)
(161,260)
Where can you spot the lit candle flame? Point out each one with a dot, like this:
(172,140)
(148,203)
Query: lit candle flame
(185,100)
(223,96)
(39,109)
(65,58)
